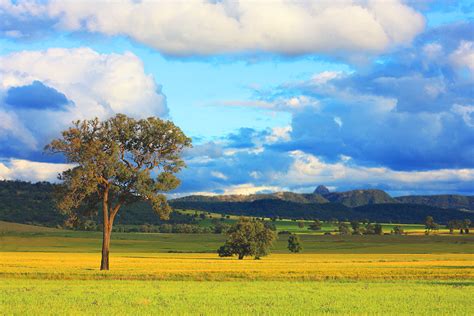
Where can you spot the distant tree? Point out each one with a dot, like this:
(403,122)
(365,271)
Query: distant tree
(315,225)
(166,228)
(369,229)
(202,216)
(430,224)
(220,227)
(466,225)
(378,230)
(452,225)
(343,229)
(397,230)
(294,244)
(247,237)
(117,162)
(301,224)
(355,227)
(269,225)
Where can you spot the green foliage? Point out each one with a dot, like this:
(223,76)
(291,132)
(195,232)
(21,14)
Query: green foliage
(115,159)
(430,224)
(316,225)
(294,244)
(397,230)
(343,228)
(378,229)
(356,227)
(247,237)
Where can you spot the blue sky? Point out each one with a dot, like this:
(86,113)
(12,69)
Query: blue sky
(276,95)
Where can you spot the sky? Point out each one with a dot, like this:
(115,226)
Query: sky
(277,95)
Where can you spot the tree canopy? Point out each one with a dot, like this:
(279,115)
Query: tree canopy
(247,237)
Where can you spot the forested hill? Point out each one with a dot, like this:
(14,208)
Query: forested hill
(24,202)
(389,212)
(443,201)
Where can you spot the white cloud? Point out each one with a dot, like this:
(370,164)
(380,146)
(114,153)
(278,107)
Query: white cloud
(214,27)
(249,188)
(11,126)
(279,134)
(219,175)
(98,85)
(466,112)
(463,56)
(307,169)
(19,169)
(292,104)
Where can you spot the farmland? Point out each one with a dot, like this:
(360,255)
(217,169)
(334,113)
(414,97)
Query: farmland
(56,271)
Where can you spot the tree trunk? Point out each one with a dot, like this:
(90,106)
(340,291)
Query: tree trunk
(104,263)
(241,256)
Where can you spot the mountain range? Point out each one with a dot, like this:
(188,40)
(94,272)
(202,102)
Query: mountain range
(353,198)
(25,202)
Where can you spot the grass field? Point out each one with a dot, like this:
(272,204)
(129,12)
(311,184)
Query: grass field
(292,225)
(49,271)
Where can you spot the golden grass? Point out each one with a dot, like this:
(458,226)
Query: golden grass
(140,266)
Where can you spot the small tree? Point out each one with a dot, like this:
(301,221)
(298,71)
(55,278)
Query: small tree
(294,244)
(369,229)
(343,228)
(397,230)
(247,237)
(117,162)
(466,224)
(452,224)
(378,230)
(355,227)
(301,224)
(430,224)
(316,225)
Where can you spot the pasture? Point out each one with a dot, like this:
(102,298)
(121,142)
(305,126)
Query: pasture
(51,271)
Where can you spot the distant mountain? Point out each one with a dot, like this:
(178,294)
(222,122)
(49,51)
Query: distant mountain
(25,202)
(322,195)
(322,190)
(356,198)
(284,196)
(443,201)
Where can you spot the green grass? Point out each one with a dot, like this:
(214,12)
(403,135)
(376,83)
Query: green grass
(75,241)
(292,225)
(51,297)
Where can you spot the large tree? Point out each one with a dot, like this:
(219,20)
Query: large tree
(247,237)
(117,162)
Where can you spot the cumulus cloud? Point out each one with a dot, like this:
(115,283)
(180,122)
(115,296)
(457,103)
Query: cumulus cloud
(196,27)
(41,92)
(19,169)
(307,169)
(405,124)
(410,111)
(463,56)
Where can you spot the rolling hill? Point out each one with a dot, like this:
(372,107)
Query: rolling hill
(28,203)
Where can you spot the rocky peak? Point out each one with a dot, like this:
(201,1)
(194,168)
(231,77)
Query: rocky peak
(322,190)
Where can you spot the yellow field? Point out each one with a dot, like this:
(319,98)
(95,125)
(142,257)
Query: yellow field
(210,267)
